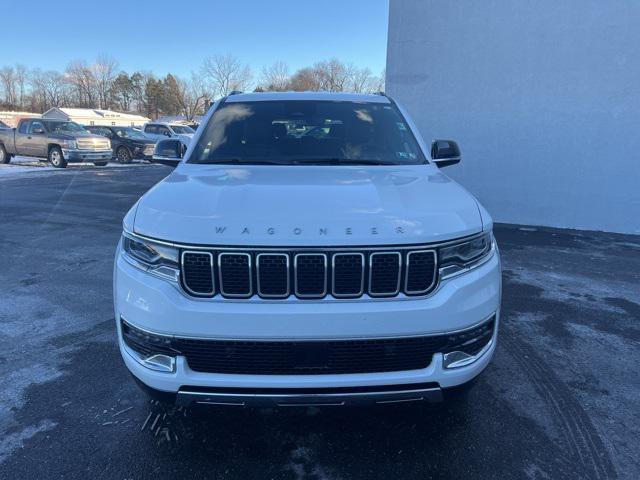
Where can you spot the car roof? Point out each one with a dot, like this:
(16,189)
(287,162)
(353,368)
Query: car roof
(320,96)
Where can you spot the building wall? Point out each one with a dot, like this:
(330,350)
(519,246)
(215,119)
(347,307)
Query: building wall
(543,98)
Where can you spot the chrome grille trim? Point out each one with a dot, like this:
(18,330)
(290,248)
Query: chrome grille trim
(220,281)
(275,254)
(384,294)
(295,277)
(434,280)
(333,275)
(213,277)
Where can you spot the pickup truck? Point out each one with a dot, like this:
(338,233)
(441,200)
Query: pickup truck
(306,250)
(59,141)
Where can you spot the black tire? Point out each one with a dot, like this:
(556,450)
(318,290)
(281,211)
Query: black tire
(4,156)
(123,154)
(55,158)
(100,164)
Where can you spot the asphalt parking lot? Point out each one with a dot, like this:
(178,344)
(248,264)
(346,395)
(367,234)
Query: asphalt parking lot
(560,400)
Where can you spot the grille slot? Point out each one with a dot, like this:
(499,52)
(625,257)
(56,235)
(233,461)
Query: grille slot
(273,275)
(420,275)
(235,274)
(310,275)
(197,275)
(348,274)
(384,273)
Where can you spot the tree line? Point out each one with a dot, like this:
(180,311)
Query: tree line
(102,85)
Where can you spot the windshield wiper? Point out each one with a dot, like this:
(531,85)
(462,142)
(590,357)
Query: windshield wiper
(241,161)
(342,161)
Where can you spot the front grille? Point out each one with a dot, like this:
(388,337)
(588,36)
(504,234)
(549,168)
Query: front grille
(325,357)
(312,274)
(93,143)
(197,269)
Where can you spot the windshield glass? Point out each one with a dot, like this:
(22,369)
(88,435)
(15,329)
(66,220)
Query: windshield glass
(130,133)
(307,132)
(65,127)
(182,129)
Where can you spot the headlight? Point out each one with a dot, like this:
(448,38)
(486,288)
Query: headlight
(465,255)
(151,257)
(70,144)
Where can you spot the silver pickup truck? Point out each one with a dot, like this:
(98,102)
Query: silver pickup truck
(59,141)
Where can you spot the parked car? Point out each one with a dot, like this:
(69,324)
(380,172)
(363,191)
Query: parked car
(126,142)
(275,269)
(58,141)
(159,131)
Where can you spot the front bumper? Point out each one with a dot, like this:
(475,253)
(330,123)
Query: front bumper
(158,306)
(78,155)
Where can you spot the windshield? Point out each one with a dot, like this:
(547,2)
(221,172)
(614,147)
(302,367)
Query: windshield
(65,127)
(307,132)
(182,129)
(130,133)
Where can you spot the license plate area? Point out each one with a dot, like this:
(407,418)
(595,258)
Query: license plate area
(311,356)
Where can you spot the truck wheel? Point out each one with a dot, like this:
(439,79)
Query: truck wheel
(4,156)
(56,158)
(100,164)
(124,155)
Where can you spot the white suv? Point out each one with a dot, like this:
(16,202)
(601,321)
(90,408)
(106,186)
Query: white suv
(307,250)
(160,131)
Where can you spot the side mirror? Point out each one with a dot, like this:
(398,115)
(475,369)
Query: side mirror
(445,153)
(167,134)
(169,152)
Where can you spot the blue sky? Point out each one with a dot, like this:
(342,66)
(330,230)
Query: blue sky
(176,36)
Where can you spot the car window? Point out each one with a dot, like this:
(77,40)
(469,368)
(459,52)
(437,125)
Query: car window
(310,132)
(162,130)
(35,126)
(151,129)
(24,126)
(182,129)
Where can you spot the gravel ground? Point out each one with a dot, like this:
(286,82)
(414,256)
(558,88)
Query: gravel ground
(560,399)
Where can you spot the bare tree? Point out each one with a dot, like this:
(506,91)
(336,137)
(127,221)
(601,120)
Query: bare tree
(275,77)
(8,84)
(305,80)
(225,73)
(82,80)
(22,74)
(362,81)
(333,75)
(48,89)
(104,72)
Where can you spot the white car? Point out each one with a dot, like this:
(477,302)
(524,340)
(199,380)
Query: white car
(160,131)
(277,268)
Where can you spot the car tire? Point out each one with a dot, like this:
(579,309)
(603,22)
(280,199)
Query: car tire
(55,158)
(4,156)
(123,154)
(100,164)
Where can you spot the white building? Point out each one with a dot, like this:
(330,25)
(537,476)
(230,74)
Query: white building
(11,119)
(543,98)
(88,116)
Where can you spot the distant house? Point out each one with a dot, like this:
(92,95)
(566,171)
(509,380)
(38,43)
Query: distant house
(89,116)
(11,119)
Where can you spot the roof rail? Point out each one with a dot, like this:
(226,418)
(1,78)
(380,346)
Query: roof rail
(235,92)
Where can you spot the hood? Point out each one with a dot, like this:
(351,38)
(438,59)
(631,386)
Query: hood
(306,206)
(74,136)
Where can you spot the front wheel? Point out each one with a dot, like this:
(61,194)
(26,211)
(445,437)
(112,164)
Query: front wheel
(100,164)
(4,156)
(123,155)
(56,158)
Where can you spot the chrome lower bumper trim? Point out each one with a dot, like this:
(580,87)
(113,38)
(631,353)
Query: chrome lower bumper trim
(187,397)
